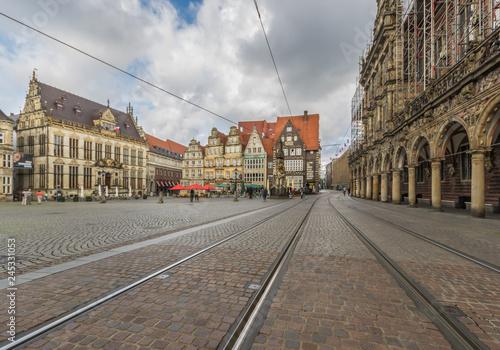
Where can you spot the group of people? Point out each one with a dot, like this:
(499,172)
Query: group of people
(193,195)
(348,191)
(27,197)
(302,192)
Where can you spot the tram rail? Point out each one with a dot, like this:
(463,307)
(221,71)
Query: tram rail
(453,330)
(29,336)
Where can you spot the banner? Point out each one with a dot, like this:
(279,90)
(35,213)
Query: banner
(23,160)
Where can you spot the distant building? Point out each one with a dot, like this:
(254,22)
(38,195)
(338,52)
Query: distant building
(79,146)
(164,164)
(340,170)
(6,157)
(192,166)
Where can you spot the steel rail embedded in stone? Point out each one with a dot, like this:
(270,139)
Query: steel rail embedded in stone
(455,332)
(43,329)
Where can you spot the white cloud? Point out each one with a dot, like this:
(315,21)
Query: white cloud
(220,61)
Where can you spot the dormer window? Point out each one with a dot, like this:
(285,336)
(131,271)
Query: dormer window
(59,104)
(64,98)
(78,110)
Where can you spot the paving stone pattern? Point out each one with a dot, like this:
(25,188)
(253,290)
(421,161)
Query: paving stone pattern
(452,280)
(193,308)
(336,296)
(52,232)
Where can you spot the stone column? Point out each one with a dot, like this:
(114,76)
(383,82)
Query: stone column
(436,184)
(363,186)
(383,187)
(375,188)
(369,187)
(412,197)
(358,188)
(478,183)
(396,186)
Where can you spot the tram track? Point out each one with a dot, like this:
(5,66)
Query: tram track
(29,336)
(457,334)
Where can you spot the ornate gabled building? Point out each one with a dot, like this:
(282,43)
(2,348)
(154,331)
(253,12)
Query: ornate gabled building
(426,114)
(164,164)
(298,136)
(255,160)
(6,157)
(192,166)
(79,146)
(233,155)
(214,158)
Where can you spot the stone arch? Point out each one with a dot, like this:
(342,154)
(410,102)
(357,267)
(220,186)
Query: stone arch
(488,124)
(399,157)
(447,134)
(377,165)
(386,162)
(420,149)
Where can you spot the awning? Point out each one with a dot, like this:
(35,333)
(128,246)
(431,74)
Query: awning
(170,184)
(163,182)
(158,183)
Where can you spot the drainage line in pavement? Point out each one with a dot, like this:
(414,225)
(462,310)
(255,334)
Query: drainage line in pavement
(453,330)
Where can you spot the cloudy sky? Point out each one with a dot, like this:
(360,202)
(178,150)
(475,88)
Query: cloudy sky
(212,53)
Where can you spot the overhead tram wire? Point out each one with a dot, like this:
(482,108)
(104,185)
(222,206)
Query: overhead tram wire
(272,57)
(120,70)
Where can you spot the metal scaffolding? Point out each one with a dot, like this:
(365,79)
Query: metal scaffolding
(434,35)
(357,133)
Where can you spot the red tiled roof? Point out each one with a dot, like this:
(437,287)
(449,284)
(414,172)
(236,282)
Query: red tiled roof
(175,147)
(308,131)
(223,137)
(168,145)
(268,145)
(90,110)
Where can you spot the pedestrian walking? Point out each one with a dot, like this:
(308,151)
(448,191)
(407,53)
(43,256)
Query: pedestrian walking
(302,193)
(344,191)
(348,191)
(191,195)
(46,197)
(264,193)
(39,196)
(29,196)
(292,193)
(196,196)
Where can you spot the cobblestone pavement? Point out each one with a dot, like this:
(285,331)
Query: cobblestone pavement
(334,294)
(53,295)
(194,307)
(52,232)
(469,289)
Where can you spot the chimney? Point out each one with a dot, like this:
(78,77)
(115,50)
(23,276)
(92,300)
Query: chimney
(305,116)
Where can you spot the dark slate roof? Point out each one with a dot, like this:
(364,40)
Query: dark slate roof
(3,116)
(90,110)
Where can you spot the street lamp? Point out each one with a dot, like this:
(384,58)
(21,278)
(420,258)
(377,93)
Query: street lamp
(235,192)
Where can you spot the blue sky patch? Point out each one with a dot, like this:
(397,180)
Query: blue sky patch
(187,9)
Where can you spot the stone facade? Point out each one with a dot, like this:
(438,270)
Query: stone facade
(192,166)
(255,160)
(79,147)
(341,175)
(6,157)
(431,121)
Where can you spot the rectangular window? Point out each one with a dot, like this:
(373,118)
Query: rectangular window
(31,178)
(7,161)
(73,148)
(58,146)
(125,177)
(87,150)
(465,163)
(6,184)
(285,152)
(1,139)
(73,177)
(98,151)
(270,165)
(117,154)
(139,158)
(20,144)
(125,156)
(139,181)
(132,180)
(288,129)
(87,178)
(289,138)
(42,140)
(58,176)
(107,151)
(133,157)
(292,151)
(31,144)
(41,174)
(299,151)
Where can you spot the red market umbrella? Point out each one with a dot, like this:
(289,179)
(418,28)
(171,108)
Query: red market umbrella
(208,187)
(194,187)
(178,187)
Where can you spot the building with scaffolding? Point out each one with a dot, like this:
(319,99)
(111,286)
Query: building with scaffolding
(425,115)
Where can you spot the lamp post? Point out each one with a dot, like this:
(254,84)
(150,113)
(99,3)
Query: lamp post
(103,197)
(235,191)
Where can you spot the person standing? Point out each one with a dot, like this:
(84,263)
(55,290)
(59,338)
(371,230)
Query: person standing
(25,197)
(196,197)
(39,196)
(29,196)
(302,194)
(264,193)
(292,193)
(344,191)
(191,195)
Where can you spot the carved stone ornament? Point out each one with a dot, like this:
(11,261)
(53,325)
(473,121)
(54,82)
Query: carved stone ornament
(488,81)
